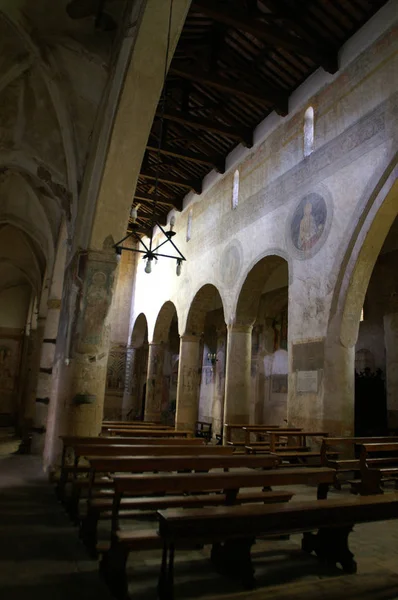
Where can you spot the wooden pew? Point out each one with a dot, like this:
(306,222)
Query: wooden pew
(113,563)
(377,469)
(149,432)
(233,529)
(111,423)
(101,508)
(264,430)
(229,428)
(347,450)
(71,442)
(119,450)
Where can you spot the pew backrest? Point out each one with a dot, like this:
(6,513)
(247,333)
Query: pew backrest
(348,449)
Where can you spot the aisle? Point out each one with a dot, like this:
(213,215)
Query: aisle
(40,553)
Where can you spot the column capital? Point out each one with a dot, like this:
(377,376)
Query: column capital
(189,337)
(239,328)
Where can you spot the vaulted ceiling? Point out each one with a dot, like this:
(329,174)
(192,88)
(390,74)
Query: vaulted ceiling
(55,61)
(236,62)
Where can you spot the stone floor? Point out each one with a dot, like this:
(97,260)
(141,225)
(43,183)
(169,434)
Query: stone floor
(41,556)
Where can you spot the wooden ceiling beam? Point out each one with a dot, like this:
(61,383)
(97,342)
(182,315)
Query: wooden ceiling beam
(327,55)
(195,185)
(273,35)
(217,163)
(148,200)
(158,218)
(268,95)
(235,132)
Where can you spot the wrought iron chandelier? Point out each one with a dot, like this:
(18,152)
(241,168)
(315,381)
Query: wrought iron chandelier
(151,252)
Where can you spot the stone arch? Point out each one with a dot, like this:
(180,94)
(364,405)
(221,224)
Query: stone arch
(363,249)
(371,224)
(206,299)
(251,290)
(163,352)
(163,322)
(139,334)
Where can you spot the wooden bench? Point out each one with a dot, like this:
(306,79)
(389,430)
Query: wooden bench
(203,429)
(101,508)
(232,531)
(118,450)
(229,428)
(300,435)
(263,431)
(162,433)
(113,563)
(376,469)
(347,450)
(72,442)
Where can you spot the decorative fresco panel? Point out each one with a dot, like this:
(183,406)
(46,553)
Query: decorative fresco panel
(309,225)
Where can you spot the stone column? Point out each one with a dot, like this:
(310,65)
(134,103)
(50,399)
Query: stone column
(237,374)
(219,388)
(391,344)
(154,382)
(128,399)
(44,380)
(188,383)
(90,339)
(34,367)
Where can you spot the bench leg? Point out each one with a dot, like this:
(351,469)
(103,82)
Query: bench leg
(88,532)
(322,492)
(166,577)
(233,559)
(331,545)
(113,569)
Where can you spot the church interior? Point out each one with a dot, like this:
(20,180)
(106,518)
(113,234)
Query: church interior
(199,299)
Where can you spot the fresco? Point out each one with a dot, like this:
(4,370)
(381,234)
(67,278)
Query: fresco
(308,225)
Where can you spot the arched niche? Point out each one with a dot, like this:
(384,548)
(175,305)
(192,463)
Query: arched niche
(206,300)
(258,280)
(164,319)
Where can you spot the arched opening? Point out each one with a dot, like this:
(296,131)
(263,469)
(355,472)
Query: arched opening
(309,131)
(376,349)
(258,343)
(201,376)
(161,393)
(235,190)
(136,372)
(367,281)
(22,267)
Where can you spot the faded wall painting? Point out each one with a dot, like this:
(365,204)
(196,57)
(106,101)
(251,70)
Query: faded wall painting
(116,370)
(309,225)
(97,298)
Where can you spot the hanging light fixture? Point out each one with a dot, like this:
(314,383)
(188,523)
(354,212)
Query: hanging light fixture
(151,253)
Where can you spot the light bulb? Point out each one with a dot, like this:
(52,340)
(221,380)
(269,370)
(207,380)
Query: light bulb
(134,213)
(148,266)
(178,269)
(172,222)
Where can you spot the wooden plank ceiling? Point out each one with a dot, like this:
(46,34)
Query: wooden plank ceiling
(236,61)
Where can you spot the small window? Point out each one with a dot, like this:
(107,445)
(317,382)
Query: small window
(308,131)
(362,316)
(235,190)
(189,225)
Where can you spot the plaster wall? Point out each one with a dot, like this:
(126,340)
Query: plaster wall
(355,134)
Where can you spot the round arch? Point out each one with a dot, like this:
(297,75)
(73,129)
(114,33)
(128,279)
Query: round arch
(139,334)
(256,276)
(376,216)
(163,322)
(363,249)
(206,299)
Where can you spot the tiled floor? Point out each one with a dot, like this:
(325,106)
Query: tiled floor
(42,558)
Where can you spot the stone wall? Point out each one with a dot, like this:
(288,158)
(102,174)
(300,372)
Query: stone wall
(303,209)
